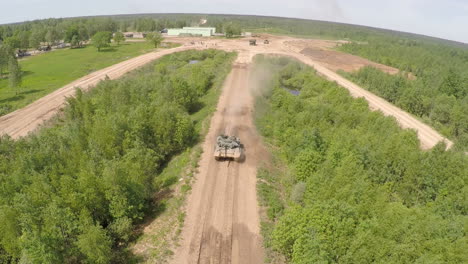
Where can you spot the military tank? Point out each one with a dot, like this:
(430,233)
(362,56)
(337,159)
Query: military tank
(228,148)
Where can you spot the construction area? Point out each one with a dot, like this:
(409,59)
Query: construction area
(222,223)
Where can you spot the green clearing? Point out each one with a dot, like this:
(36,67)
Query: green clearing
(47,72)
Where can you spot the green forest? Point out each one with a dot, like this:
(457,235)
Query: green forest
(438,94)
(73,192)
(347,185)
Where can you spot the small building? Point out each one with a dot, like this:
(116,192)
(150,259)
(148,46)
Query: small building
(192,31)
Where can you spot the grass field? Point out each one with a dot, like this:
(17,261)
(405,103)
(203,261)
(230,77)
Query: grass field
(45,73)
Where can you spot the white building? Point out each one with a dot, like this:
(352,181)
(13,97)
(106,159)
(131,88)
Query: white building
(192,31)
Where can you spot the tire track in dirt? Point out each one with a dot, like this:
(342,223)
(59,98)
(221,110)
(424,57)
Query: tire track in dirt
(222,222)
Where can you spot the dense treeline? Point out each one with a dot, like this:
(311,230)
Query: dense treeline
(358,188)
(439,94)
(72,192)
(30,34)
(74,30)
(156,22)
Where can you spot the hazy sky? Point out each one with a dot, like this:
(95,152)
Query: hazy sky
(441,18)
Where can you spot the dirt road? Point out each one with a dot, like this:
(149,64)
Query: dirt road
(428,137)
(222,224)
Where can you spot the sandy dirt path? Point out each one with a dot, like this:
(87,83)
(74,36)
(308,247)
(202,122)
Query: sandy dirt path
(25,120)
(222,223)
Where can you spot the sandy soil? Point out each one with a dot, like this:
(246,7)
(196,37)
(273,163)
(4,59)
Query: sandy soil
(322,52)
(335,60)
(222,224)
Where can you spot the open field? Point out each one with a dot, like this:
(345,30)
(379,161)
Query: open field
(47,72)
(335,61)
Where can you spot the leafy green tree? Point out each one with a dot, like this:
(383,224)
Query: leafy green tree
(83,34)
(9,240)
(24,37)
(95,244)
(119,37)
(70,32)
(453,85)
(12,42)
(5,53)
(232,30)
(75,42)
(2,34)
(36,38)
(14,70)
(155,38)
(101,39)
(306,163)
(52,36)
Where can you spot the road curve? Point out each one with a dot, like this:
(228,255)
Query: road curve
(27,119)
(428,136)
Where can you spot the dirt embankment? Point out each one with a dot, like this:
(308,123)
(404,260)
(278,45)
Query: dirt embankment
(335,60)
(322,51)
